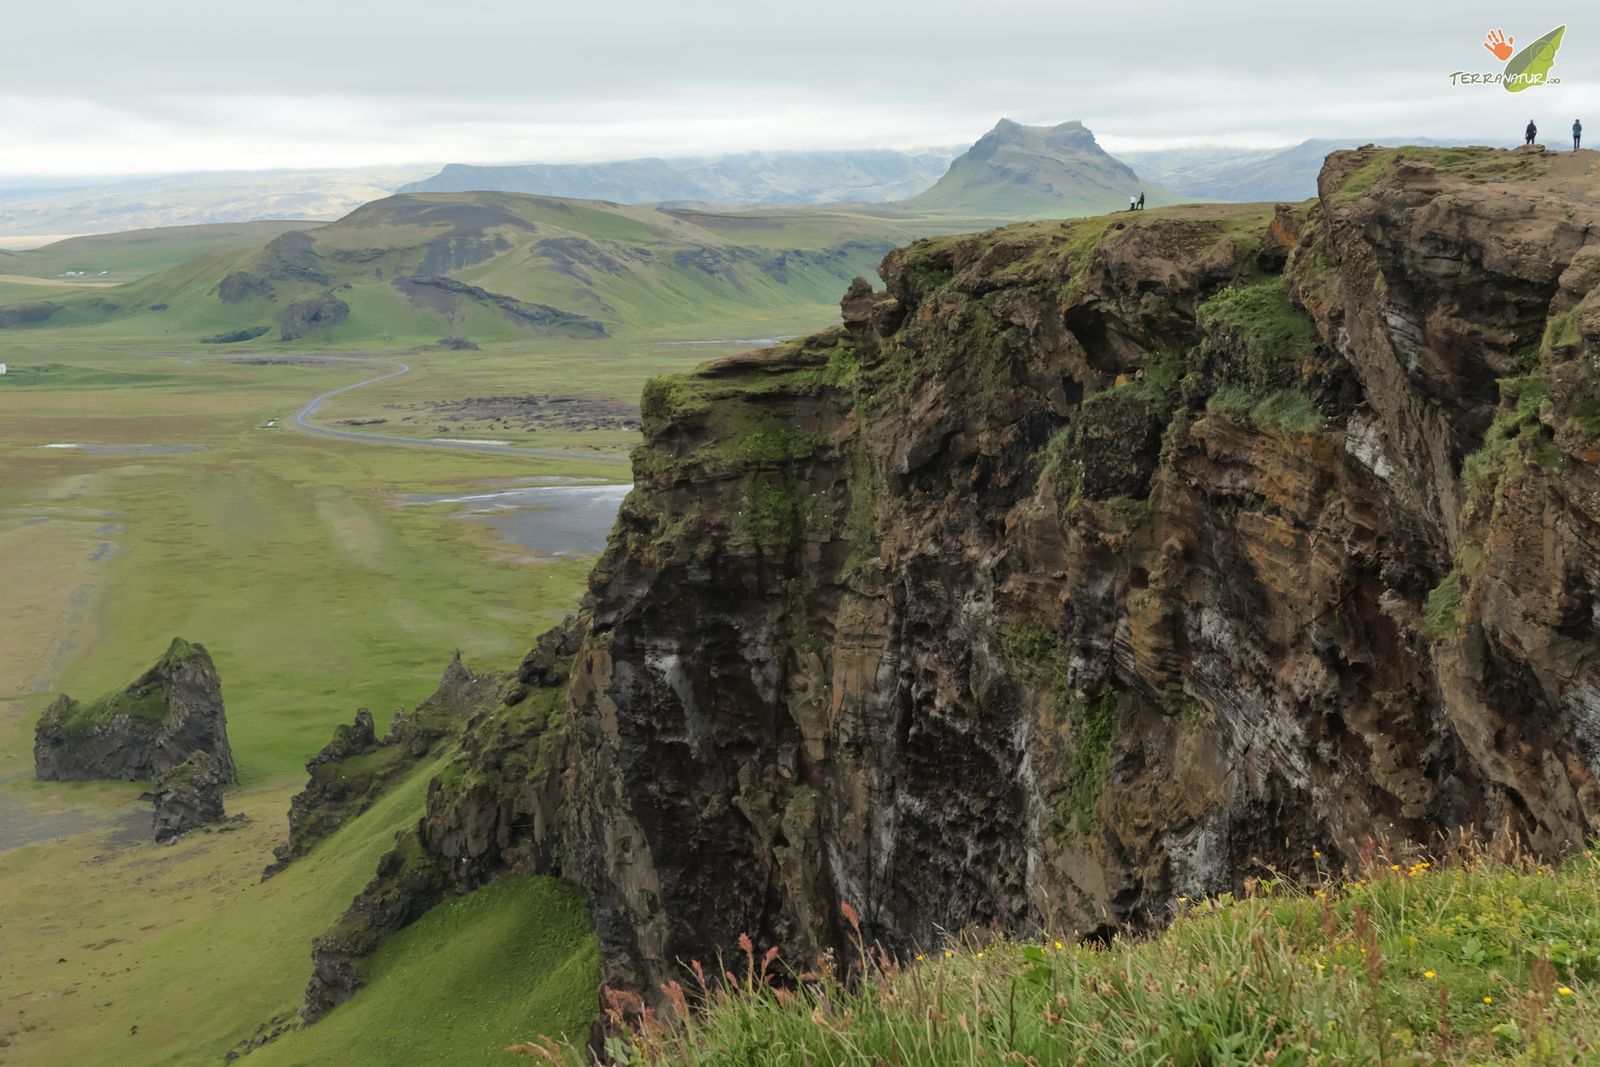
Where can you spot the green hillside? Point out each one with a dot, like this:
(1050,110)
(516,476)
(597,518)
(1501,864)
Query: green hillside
(484,268)
(133,254)
(1021,172)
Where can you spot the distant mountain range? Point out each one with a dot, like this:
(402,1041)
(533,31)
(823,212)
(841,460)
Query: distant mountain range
(56,206)
(1013,171)
(1217,172)
(873,175)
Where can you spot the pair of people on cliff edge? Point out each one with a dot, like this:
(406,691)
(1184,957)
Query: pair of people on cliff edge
(1577,133)
(1136,203)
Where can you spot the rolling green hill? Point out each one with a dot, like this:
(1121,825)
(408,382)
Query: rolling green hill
(495,267)
(133,254)
(1020,172)
(486,267)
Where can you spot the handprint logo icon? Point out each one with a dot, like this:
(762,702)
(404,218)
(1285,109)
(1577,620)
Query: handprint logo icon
(1497,42)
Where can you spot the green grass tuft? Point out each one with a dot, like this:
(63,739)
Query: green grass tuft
(1442,611)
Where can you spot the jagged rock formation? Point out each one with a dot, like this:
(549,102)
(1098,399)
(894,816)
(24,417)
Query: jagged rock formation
(1089,564)
(355,767)
(189,796)
(317,313)
(169,713)
(496,808)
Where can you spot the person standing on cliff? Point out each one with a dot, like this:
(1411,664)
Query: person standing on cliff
(1577,134)
(1141,199)
(1133,202)
(1530,133)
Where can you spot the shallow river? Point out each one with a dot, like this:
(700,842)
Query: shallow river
(557,520)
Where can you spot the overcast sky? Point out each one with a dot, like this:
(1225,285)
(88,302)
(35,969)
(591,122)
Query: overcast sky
(115,87)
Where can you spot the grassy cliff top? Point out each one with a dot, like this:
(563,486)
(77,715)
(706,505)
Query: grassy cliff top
(1400,962)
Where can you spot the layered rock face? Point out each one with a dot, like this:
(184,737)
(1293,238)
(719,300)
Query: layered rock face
(1088,565)
(1099,562)
(169,713)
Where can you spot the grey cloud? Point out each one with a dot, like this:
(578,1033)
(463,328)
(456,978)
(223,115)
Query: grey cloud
(514,79)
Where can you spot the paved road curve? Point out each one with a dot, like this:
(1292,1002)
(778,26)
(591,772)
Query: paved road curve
(302,420)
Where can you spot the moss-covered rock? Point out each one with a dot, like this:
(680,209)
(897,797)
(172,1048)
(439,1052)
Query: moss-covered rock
(189,796)
(168,713)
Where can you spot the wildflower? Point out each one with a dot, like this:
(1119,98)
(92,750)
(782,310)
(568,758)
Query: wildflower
(980,955)
(919,957)
(948,954)
(1059,945)
(1564,991)
(1394,866)
(1183,900)
(1428,975)
(1315,854)
(1488,1000)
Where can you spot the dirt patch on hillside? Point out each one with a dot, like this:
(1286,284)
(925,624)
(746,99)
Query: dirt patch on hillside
(530,412)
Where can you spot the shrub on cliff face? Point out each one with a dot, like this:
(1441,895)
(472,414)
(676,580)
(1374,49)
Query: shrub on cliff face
(1397,963)
(1258,339)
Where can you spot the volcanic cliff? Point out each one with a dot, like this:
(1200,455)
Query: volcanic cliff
(1086,565)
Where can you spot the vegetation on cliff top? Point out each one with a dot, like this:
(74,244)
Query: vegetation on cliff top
(143,705)
(1398,963)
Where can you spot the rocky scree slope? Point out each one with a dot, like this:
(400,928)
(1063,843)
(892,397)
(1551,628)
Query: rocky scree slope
(1087,565)
(166,715)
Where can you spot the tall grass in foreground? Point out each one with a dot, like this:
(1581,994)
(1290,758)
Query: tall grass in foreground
(1479,962)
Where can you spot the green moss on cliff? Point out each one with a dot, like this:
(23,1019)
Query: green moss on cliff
(1266,340)
(180,651)
(1093,726)
(774,514)
(1441,613)
(147,708)
(1516,437)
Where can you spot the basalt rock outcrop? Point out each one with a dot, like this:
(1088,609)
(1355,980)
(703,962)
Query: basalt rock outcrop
(355,768)
(168,714)
(316,313)
(189,796)
(495,809)
(1086,565)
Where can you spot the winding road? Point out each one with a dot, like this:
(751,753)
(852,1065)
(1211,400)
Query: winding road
(301,420)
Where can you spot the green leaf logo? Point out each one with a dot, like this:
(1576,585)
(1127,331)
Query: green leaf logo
(1531,66)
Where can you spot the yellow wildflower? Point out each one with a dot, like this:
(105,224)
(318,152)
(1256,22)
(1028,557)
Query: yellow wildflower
(1428,975)
(1488,1000)
(1564,991)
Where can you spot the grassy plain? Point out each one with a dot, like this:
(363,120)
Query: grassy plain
(291,558)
